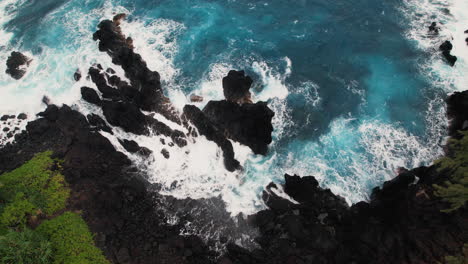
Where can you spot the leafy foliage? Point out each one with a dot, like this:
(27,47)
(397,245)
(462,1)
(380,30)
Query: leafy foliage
(455,191)
(462,259)
(24,248)
(30,189)
(38,188)
(15,213)
(71,239)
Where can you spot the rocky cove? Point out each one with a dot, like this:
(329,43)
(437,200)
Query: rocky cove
(403,222)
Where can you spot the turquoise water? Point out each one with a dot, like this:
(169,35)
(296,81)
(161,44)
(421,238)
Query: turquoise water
(352,103)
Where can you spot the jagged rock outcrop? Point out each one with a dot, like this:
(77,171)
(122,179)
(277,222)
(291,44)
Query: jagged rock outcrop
(147,82)
(249,124)
(446,48)
(17,64)
(236,86)
(457,105)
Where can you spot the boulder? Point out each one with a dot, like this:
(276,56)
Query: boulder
(22,116)
(196,98)
(236,86)
(90,95)
(248,124)
(77,75)
(446,48)
(433,28)
(17,64)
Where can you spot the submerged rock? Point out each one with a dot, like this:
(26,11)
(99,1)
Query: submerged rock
(434,28)
(17,64)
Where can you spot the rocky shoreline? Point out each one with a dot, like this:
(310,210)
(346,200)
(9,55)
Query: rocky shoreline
(402,222)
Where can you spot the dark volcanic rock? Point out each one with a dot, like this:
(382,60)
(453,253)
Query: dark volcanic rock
(22,116)
(236,87)
(133,147)
(148,83)
(97,122)
(165,153)
(6,117)
(398,225)
(125,115)
(446,48)
(46,100)
(77,75)
(90,95)
(211,132)
(99,79)
(434,28)
(131,119)
(114,200)
(457,105)
(249,124)
(17,64)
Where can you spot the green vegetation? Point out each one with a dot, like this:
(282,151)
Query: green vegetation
(455,191)
(25,248)
(37,190)
(71,239)
(32,189)
(462,259)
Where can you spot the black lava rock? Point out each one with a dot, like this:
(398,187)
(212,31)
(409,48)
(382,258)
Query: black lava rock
(90,95)
(17,64)
(249,124)
(236,86)
(446,48)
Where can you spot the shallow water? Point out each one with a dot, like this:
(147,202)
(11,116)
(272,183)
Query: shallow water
(356,90)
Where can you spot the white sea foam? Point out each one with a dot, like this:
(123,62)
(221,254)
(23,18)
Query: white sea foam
(452,18)
(156,41)
(51,71)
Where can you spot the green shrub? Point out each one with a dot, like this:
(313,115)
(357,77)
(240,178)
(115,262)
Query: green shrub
(15,213)
(25,247)
(34,185)
(71,240)
(455,191)
(462,259)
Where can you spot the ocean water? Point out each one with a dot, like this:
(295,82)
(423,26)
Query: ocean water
(357,86)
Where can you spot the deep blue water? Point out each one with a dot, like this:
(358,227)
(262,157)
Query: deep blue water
(357,103)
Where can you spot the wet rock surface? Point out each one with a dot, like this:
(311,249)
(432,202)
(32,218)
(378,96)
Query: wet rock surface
(17,64)
(401,223)
(446,49)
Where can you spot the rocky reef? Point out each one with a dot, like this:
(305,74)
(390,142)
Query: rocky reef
(403,221)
